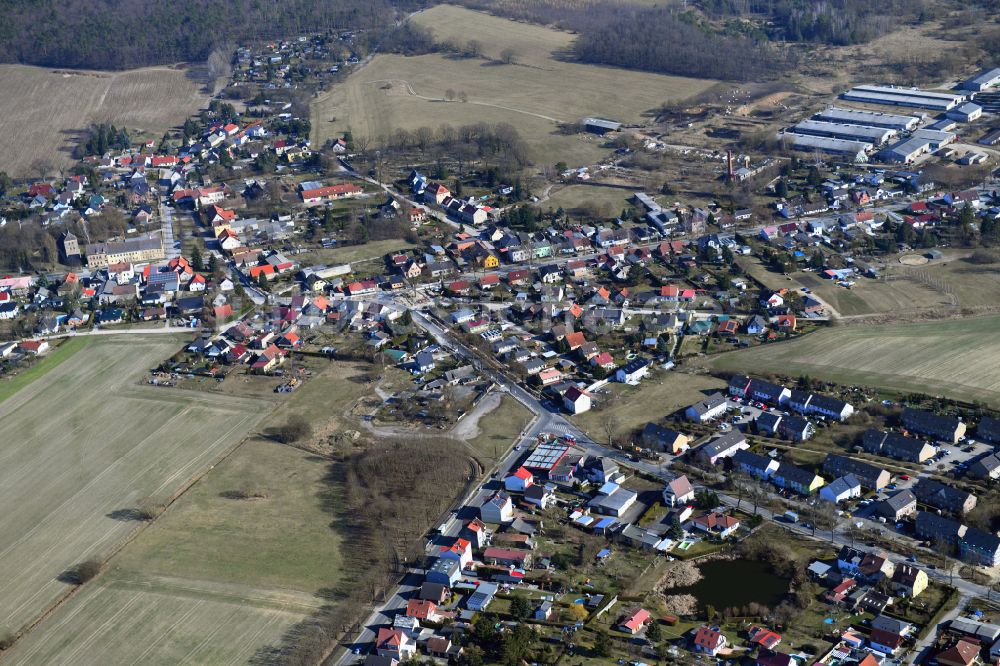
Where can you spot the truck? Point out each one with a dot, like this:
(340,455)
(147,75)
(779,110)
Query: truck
(791,517)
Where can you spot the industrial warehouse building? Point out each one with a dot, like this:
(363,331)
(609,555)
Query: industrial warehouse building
(856,150)
(991,138)
(920,99)
(982,81)
(920,142)
(874,135)
(836,114)
(966,113)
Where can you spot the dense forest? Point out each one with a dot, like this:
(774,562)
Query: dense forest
(121,34)
(728,39)
(836,22)
(658,40)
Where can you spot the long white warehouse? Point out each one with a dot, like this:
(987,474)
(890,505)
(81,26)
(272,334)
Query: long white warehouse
(856,150)
(836,114)
(875,135)
(921,99)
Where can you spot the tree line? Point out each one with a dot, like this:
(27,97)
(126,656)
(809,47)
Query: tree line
(660,40)
(107,34)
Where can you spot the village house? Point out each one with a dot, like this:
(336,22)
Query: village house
(497,509)
(394,643)
(709,640)
(717,524)
(519,480)
(942,496)
(678,492)
(761,467)
(897,506)
(576,401)
(707,409)
(870,476)
(795,478)
(723,446)
(634,622)
(843,488)
(947,428)
(658,438)
(895,445)
(909,581)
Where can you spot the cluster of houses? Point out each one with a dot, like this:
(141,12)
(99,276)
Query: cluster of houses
(116,292)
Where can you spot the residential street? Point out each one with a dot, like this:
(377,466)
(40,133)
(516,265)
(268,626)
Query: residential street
(548,421)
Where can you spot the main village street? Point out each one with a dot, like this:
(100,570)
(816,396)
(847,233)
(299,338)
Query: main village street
(546,420)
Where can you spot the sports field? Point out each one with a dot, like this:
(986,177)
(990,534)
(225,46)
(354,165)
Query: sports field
(957,358)
(84,443)
(152,99)
(534,94)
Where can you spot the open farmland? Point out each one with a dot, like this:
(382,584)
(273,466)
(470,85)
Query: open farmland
(534,94)
(248,551)
(959,358)
(82,445)
(152,99)
(214,579)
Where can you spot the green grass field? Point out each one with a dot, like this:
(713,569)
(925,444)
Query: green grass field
(534,94)
(216,578)
(86,440)
(655,398)
(957,358)
(11,385)
(499,429)
(576,199)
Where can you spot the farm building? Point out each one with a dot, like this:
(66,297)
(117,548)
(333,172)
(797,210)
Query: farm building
(913,97)
(313,192)
(875,135)
(982,81)
(966,113)
(836,114)
(601,125)
(857,150)
(991,138)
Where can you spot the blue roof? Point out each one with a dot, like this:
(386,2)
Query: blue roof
(604,523)
(604,553)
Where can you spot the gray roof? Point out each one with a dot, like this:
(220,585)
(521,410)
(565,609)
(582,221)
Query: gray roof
(985,466)
(722,443)
(867,473)
(899,500)
(708,403)
(940,495)
(752,460)
(865,133)
(827,144)
(796,474)
(870,118)
(889,624)
(844,484)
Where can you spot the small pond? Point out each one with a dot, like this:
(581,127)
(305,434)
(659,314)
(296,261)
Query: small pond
(728,583)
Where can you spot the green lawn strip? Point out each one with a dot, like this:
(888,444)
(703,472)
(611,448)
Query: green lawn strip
(48,362)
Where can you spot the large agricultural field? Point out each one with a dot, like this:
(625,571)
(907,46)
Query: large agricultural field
(152,99)
(248,551)
(214,579)
(959,358)
(534,94)
(83,444)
